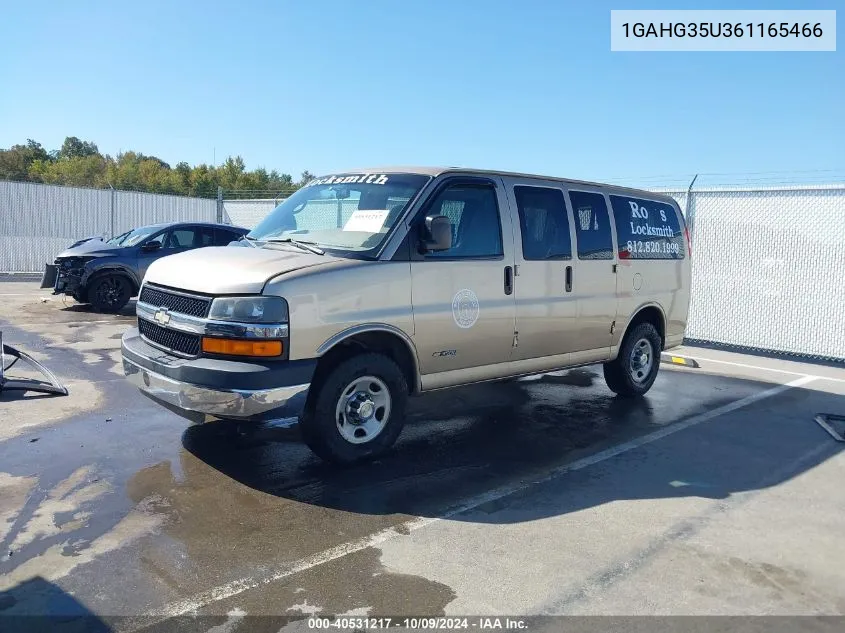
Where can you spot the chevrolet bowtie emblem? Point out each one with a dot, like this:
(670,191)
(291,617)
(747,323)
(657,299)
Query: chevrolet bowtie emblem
(162,316)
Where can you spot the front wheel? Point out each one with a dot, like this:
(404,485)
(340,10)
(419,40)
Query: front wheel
(634,370)
(358,410)
(110,293)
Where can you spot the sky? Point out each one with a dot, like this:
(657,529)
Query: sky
(327,86)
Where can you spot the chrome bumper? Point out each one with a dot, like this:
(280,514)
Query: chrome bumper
(236,403)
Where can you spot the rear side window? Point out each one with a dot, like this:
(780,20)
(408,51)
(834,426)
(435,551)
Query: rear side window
(592,225)
(222,237)
(647,229)
(206,236)
(543,223)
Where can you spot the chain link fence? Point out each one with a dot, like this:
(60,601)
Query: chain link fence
(767,269)
(766,262)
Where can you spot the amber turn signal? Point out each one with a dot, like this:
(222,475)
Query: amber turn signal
(237,347)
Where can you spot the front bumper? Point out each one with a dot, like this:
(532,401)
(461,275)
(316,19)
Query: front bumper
(50,276)
(62,280)
(196,388)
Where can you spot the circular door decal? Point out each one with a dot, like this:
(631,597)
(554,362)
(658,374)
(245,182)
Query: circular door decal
(465,308)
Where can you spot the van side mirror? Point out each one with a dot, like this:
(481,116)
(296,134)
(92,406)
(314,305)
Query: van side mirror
(149,247)
(438,233)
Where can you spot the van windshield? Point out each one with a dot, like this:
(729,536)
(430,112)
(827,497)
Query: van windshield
(347,212)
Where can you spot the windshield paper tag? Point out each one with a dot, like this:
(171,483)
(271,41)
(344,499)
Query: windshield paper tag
(368,179)
(368,221)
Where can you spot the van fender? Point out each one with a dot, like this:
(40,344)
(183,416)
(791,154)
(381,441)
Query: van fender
(364,328)
(614,350)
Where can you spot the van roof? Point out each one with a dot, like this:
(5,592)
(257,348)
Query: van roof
(437,171)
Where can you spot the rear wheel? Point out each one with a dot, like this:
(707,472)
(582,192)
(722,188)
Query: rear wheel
(634,370)
(109,293)
(358,410)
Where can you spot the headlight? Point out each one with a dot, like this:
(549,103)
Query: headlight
(74,262)
(249,309)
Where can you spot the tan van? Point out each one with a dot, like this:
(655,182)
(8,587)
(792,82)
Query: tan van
(366,287)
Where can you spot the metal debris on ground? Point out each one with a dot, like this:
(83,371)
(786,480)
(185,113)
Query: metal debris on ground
(50,386)
(833,424)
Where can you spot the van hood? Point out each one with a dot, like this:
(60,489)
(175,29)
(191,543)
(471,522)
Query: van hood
(229,269)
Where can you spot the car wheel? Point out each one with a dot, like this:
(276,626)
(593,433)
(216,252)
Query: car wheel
(358,410)
(634,370)
(109,293)
(80,297)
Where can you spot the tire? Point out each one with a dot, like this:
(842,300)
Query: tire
(80,297)
(629,375)
(341,424)
(109,293)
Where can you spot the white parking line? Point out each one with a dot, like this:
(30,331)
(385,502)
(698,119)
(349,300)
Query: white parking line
(699,359)
(236,587)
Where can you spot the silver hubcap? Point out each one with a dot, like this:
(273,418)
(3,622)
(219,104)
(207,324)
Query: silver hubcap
(642,359)
(363,409)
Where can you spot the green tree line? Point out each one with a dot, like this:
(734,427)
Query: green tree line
(79,163)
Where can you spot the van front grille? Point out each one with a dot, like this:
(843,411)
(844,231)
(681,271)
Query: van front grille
(180,342)
(183,304)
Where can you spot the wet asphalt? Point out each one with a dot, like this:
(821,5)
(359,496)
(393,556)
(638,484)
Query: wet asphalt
(112,505)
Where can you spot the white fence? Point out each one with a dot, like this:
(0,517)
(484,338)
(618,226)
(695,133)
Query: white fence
(248,213)
(766,266)
(39,221)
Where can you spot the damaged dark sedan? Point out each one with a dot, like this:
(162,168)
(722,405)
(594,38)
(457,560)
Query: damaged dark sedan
(107,274)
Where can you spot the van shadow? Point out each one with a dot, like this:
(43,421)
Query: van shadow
(464,442)
(37,605)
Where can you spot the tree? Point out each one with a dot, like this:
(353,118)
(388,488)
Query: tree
(16,161)
(285,181)
(231,172)
(203,181)
(305,178)
(181,178)
(74,148)
(80,163)
(87,171)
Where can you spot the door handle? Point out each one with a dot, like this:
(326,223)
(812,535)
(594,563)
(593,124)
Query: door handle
(508,280)
(569,279)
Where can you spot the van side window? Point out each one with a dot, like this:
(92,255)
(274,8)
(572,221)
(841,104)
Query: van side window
(592,225)
(647,229)
(474,214)
(543,223)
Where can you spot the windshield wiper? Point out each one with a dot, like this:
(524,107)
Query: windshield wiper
(311,247)
(249,240)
